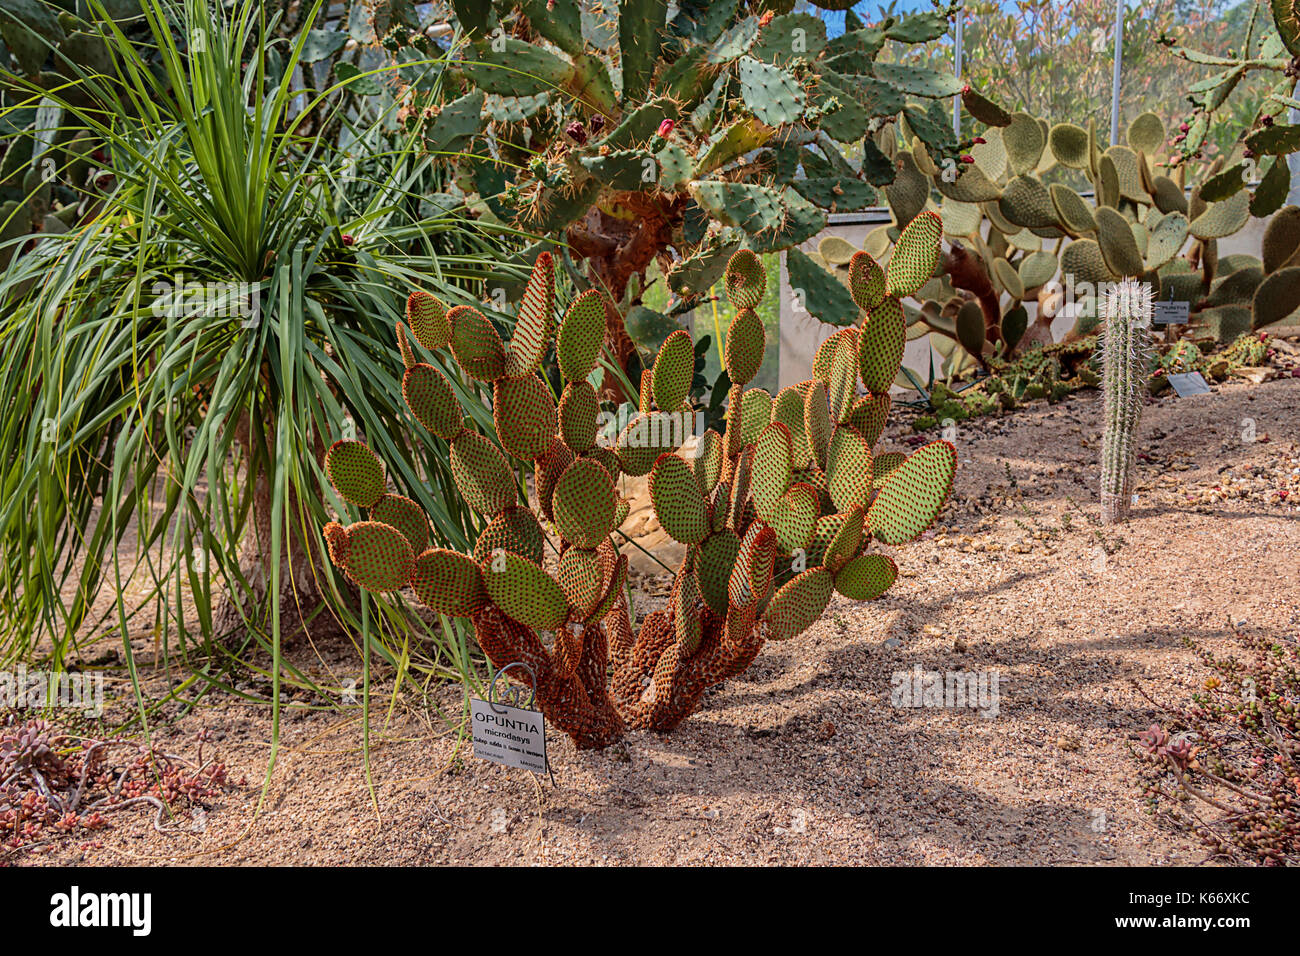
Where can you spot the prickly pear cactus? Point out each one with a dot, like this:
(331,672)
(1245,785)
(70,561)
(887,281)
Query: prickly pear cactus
(785,508)
(1126,356)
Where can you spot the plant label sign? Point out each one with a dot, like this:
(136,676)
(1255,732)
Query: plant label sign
(511,736)
(1189,383)
(1171,313)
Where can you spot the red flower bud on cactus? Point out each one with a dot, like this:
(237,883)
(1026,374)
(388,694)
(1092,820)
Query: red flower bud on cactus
(968,159)
(1267,121)
(666,128)
(347,239)
(965,90)
(980,140)
(1184,128)
(597,124)
(765,19)
(576,132)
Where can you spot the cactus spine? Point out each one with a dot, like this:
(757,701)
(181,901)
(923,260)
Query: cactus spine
(1126,354)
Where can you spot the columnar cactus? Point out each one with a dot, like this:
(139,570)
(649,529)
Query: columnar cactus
(1126,356)
(775,514)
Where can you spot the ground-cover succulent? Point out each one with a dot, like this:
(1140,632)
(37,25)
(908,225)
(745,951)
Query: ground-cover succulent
(787,505)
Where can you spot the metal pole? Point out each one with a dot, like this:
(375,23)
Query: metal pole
(956,103)
(1294,158)
(1119,56)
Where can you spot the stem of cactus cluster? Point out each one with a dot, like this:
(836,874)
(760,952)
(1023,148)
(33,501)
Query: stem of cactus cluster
(1127,310)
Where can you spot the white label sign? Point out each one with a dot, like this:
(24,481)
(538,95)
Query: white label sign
(1171,313)
(1189,383)
(508,735)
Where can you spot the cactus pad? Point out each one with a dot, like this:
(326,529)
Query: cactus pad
(1118,247)
(584,503)
(431,400)
(795,517)
(580,337)
(377,557)
(427,316)
(821,368)
(448,582)
(866,281)
(673,370)
(515,530)
(646,437)
(817,422)
(881,340)
(482,474)
(1083,260)
(848,472)
(533,324)
(846,541)
(844,378)
(746,341)
(914,494)
(1069,144)
(356,472)
(475,344)
(915,255)
(400,512)
(524,592)
(751,577)
(547,471)
(713,564)
(579,415)
(798,603)
(870,415)
(708,461)
(884,465)
(756,414)
(678,502)
(1071,211)
(866,577)
(746,281)
(772,468)
(524,414)
(581,577)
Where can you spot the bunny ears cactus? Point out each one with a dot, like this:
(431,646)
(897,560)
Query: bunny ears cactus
(776,514)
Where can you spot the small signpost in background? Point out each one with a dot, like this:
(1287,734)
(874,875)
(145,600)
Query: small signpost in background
(513,735)
(1189,383)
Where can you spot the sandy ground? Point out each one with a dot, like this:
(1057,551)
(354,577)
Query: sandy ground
(804,759)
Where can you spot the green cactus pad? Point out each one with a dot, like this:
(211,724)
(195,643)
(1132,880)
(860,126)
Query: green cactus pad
(746,341)
(475,344)
(817,421)
(708,461)
(1071,211)
(1169,196)
(739,479)
(1083,259)
(1222,218)
(1027,202)
(746,280)
(1118,246)
(1146,134)
(376,556)
(914,494)
(581,335)
(427,316)
(795,518)
(673,370)
(584,503)
(844,382)
(400,512)
(821,368)
(1166,240)
(798,604)
(448,582)
(404,346)
(614,589)
(524,592)
(356,472)
(713,564)
(646,437)
(431,400)
(881,340)
(772,469)
(581,577)
(915,255)
(751,576)
(870,415)
(961,219)
(1037,269)
(848,471)
(524,414)
(1128,174)
(866,281)
(532,332)
(1009,279)
(884,465)
(1277,297)
(866,577)
(1069,144)
(971,185)
(846,540)
(836,250)
(756,414)
(788,409)
(1281,243)
(546,473)
(516,530)
(579,415)
(1024,142)
(688,624)
(482,474)
(679,504)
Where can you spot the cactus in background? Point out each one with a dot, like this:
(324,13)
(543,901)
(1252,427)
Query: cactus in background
(698,150)
(775,514)
(1126,355)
